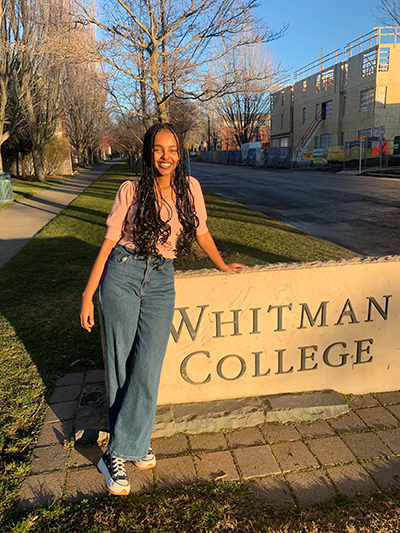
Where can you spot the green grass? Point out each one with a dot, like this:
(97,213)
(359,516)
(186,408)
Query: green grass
(41,339)
(223,507)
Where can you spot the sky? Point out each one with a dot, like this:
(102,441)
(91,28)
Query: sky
(316,24)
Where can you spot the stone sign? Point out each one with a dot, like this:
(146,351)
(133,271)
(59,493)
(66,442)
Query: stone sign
(285,328)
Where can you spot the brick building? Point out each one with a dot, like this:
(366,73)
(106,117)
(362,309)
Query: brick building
(349,93)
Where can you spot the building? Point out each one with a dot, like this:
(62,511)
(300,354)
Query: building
(344,95)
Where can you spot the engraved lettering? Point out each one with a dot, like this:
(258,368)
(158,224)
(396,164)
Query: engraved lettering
(305,311)
(361,350)
(242,367)
(347,311)
(219,323)
(279,315)
(327,351)
(280,363)
(304,357)
(184,366)
(255,320)
(185,320)
(257,366)
(383,313)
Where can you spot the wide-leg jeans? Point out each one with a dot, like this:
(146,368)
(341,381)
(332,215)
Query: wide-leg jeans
(136,302)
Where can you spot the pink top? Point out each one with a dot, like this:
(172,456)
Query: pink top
(119,221)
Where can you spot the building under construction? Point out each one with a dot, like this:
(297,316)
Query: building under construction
(350,94)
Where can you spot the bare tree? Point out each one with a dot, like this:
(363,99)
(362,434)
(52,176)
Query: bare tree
(48,42)
(40,74)
(186,116)
(250,72)
(84,105)
(390,11)
(9,71)
(128,131)
(163,48)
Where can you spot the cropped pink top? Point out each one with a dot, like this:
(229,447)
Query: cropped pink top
(119,221)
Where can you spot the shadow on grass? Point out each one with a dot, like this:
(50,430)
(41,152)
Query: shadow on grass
(40,298)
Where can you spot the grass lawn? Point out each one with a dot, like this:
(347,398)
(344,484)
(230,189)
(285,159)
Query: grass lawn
(41,339)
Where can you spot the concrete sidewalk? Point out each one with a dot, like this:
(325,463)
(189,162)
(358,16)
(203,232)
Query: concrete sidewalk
(283,465)
(21,221)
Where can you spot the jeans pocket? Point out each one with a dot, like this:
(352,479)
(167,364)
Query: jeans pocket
(167,268)
(118,256)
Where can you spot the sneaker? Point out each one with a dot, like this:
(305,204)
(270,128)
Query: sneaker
(147,462)
(113,469)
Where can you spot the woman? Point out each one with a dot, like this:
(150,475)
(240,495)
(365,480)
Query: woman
(159,218)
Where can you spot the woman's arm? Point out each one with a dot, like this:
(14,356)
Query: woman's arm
(206,242)
(87,308)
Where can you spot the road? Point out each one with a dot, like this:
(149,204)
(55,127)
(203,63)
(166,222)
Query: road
(357,212)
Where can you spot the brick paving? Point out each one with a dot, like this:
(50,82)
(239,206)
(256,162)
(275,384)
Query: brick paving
(283,465)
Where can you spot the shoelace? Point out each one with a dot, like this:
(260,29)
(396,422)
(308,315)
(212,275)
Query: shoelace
(118,467)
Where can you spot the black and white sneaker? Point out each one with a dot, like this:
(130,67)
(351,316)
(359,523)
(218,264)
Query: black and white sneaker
(147,462)
(113,469)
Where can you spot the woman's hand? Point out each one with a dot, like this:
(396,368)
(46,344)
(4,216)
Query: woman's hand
(235,267)
(206,242)
(87,314)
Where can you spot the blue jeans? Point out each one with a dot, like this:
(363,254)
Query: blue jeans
(136,302)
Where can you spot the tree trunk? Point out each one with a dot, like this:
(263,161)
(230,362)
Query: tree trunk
(163,112)
(37,154)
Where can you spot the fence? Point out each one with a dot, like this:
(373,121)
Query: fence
(370,152)
(257,157)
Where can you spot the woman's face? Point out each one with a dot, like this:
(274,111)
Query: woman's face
(166,153)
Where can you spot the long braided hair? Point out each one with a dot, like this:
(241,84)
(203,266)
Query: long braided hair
(148,229)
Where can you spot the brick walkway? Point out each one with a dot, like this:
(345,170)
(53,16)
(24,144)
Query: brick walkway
(282,464)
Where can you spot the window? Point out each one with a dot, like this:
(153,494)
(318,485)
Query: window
(381,102)
(316,142)
(282,119)
(327,109)
(369,63)
(304,115)
(325,141)
(383,65)
(318,84)
(367,98)
(345,70)
(317,108)
(275,143)
(283,97)
(304,88)
(327,79)
(284,142)
(344,106)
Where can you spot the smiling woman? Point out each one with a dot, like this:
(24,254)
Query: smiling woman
(152,221)
(166,158)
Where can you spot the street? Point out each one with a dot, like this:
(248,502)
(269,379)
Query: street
(357,212)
